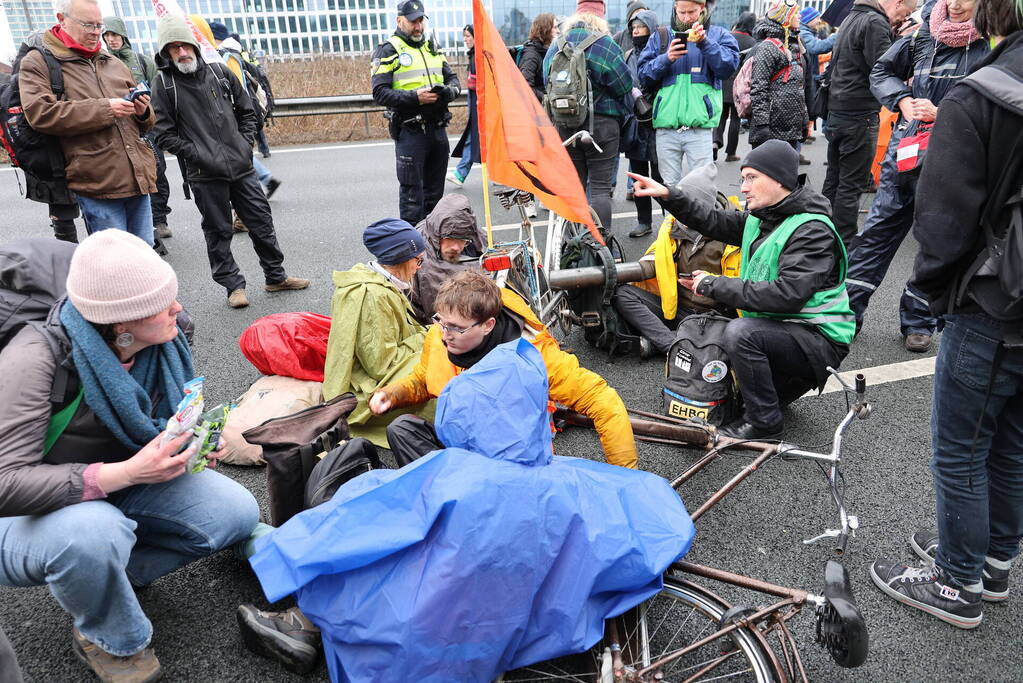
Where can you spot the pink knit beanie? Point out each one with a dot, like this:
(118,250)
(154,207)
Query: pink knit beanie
(592,6)
(115,277)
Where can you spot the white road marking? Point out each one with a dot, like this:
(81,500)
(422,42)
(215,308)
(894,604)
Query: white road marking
(883,374)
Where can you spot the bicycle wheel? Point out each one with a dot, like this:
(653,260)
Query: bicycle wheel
(682,613)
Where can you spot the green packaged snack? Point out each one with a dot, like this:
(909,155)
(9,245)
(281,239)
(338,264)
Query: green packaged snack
(207,436)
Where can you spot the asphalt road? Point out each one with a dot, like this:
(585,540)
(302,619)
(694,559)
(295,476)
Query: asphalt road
(328,195)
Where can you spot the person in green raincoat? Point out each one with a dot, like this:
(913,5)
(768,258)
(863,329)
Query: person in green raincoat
(375,338)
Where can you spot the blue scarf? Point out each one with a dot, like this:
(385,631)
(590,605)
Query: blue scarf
(121,399)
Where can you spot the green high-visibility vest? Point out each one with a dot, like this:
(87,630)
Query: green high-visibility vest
(829,310)
(413,67)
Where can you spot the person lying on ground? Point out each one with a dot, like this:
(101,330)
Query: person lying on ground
(791,289)
(106,507)
(452,234)
(478,558)
(473,316)
(374,335)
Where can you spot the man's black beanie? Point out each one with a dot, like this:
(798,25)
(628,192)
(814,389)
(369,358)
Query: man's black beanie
(776,159)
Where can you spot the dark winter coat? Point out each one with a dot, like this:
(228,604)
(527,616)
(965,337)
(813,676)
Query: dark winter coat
(205,118)
(809,263)
(746,45)
(471,134)
(777,88)
(644,142)
(866,35)
(974,142)
(531,66)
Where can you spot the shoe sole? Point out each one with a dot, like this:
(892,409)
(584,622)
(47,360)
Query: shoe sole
(959,622)
(253,634)
(285,289)
(76,646)
(986,595)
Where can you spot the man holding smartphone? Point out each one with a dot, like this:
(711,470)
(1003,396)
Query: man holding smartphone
(414,81)
(687,74)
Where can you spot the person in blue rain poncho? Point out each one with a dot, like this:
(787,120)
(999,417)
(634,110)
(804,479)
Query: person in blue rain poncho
(485,556)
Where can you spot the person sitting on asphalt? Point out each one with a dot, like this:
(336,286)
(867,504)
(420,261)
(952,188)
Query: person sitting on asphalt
(452,234)
(791,290)
(473,316)
(374,335)
(107,508)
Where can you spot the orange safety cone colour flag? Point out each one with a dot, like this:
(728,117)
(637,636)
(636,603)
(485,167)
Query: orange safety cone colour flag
(519,145)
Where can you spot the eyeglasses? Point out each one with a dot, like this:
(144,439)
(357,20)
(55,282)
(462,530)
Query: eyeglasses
(91,28)
(451,328)
(419,261)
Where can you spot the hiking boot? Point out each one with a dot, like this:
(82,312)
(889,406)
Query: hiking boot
(238,226)
(995,578)
(630,195)
(930,590)
(732,157)
(918,343)
(747,431)
(287,283)
(646,348)
(237,298)
(641,230)
(288,636)
(141,667)
(271,187)
(803,161)
(455,179)
(162,231)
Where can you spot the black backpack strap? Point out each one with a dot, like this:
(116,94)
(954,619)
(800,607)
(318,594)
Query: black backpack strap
(53,148)
(662,32)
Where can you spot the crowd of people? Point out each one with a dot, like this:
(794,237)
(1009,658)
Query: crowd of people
(94,499)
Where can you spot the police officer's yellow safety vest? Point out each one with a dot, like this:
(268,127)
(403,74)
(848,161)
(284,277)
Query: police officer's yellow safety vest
(412,67)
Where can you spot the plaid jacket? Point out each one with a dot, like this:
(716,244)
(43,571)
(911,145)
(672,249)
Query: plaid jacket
(608,72)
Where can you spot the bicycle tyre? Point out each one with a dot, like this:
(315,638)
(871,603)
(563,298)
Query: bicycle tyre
(699,611)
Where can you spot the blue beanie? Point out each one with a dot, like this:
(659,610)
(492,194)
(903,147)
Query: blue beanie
(393,241)
(219,31)
(808,14)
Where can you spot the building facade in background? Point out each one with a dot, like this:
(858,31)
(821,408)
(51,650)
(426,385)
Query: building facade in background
(25,16)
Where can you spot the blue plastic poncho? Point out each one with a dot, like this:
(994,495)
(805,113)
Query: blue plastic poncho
(479,558)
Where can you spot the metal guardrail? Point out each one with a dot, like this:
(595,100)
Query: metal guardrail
(337,104)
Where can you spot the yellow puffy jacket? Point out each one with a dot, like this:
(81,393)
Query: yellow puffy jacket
(570,385)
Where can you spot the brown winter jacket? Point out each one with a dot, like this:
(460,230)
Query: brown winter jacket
(105,156)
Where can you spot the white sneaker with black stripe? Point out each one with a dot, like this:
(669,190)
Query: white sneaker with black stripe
(995,575)
(928,589)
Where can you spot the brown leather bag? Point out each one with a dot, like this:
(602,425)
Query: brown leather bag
(291,445)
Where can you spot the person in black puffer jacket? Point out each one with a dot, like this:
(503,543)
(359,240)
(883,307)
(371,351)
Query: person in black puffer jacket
(777,88)
(743,32)
(541,33)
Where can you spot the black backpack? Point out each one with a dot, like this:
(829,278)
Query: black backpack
(698,379)
(602,327)
(35,153)
(995,278)
(339,466)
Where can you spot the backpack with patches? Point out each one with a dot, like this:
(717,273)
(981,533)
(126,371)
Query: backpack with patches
(602,326)
(569,98)
(698,379)
(35,153)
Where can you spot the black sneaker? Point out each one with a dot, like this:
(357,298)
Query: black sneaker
(930,590)
(641,230)
(288,636)
(996,581)
(271,187)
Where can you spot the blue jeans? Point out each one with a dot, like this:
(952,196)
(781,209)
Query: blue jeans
(262,172)
(91,554)
(131,214)
(696,144)
(978,482)
(465,164)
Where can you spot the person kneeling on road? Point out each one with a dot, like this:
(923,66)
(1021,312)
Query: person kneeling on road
(791,290)
(473,316)
(106,507)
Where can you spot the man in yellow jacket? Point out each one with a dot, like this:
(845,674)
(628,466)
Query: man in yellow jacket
(473,316)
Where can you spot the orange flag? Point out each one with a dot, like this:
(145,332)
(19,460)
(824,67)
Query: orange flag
(518,143)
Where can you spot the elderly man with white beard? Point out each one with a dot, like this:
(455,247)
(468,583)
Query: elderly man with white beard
(205,117)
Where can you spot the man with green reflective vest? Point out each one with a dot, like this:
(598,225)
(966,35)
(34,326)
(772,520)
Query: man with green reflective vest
(796,319)
(414,81)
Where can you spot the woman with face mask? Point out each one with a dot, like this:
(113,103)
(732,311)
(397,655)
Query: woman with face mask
(642,155)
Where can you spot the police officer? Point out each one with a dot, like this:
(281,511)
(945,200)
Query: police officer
(414,81)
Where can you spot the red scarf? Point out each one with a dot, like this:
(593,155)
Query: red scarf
(73,44)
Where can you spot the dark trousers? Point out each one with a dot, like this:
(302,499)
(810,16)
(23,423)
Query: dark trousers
(596,169)
(422,163)
(852,140)
(62,220)
(729,120)
(886,226)
(770,365)
(159,199)
(214,200)
(977,443)
(642,310)
(644,205)
(410,437)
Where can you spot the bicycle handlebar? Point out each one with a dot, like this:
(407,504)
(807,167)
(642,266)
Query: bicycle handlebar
(584,137)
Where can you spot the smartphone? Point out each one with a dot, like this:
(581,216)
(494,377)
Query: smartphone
(687,276)
(682,36)
(138,91)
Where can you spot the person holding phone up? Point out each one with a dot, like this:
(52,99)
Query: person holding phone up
(687,67)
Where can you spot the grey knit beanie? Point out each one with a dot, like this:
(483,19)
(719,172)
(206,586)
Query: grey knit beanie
(116,277)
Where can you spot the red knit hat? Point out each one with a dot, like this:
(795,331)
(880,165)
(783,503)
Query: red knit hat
(591,7)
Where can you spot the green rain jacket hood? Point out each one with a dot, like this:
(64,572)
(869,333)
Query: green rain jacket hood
(142,68)
(173,29)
